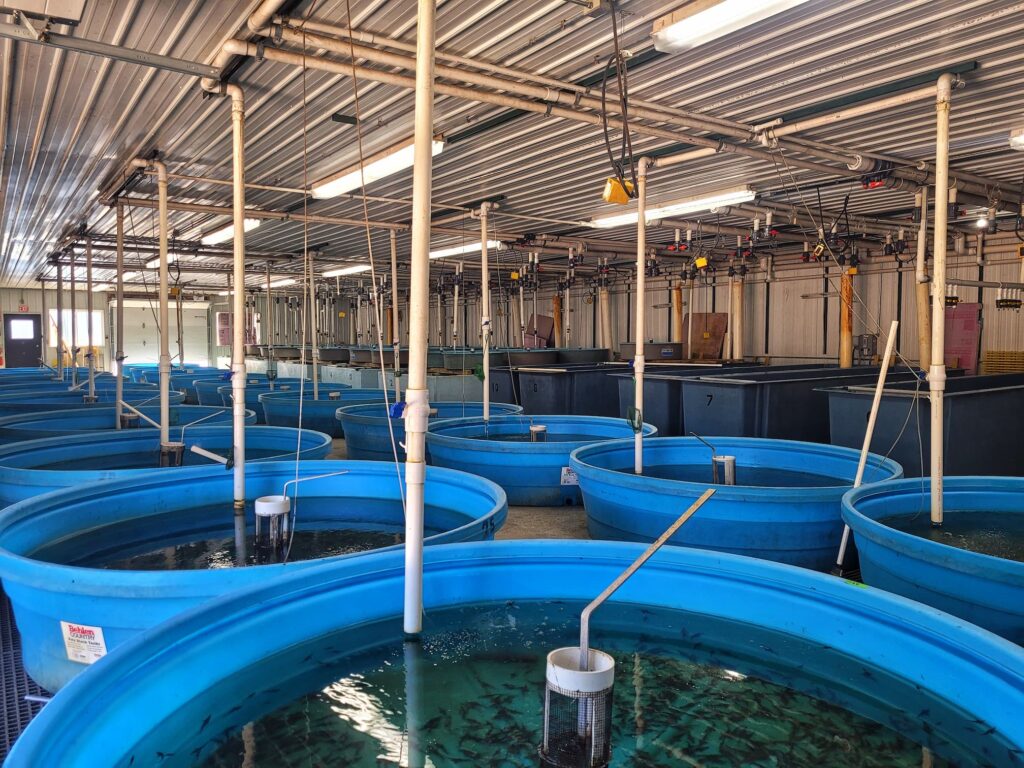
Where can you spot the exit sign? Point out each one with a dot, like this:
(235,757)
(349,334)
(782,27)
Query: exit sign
(23,307)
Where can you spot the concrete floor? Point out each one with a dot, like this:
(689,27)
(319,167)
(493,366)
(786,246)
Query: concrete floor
(525,522)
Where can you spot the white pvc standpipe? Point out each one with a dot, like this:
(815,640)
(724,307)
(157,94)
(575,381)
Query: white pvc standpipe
(641,298)
(417,408)
(890,346)
(937,372)
(485,314)
(119,354)
(924,332)
(238,298)
(91,356)
(60,321)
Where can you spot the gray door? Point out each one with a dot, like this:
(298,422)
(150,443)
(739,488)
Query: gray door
(23,341)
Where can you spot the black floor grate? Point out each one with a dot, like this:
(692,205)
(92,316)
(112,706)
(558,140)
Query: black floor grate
(16,684)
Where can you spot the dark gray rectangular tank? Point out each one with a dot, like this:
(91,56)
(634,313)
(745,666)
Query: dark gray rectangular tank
(983,420)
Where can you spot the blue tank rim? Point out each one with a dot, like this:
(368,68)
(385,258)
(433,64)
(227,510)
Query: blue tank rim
(944,555)
(152,435)
(435,435)
(352,412)
(153,650)
(96,581)
(644,483)
(10,422)
(293,394)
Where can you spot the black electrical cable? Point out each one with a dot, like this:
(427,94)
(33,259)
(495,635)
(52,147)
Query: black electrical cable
(617,63)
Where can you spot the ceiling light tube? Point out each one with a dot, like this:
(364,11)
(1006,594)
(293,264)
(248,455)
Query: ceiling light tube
(355,269)
(458,250)
(284,281)
(227,232)
(701,21)
(383,164)
(680,208)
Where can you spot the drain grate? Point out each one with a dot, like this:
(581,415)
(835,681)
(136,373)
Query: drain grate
(16,684)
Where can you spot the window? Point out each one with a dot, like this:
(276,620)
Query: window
(82,316)
(21,330)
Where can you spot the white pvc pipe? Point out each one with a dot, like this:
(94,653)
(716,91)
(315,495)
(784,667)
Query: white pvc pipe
(937,372)
(74,325)
(238,298)
(737,317)
(417,410)
(485,309)
(119,354)
(924,334)
(396,335)
(314,328)
(689,321)
(890,346)
(641,298)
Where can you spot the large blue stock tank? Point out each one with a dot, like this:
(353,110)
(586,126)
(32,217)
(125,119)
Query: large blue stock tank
(35,467)
(171,696)
(366,426)
(785,505)
(33,426)
(282,408)
(186,382)
(152,375)
(23,402)
(980,578)
(532,473)
(69,528)
(253,390)
(17,383)
(207,390)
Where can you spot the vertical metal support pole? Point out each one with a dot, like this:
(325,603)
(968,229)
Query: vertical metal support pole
(60,321)
(272,332)
(91,355)
(119,322)
(846,319)
(677,315)
(641,309)
(455,305)
(689,320)
(485,313)
(417,399)
(74,324)
(44,325)
(165,327)
(238,298)
(396,331)
(924,325)
(737,317)
(556,312)
(314,328)
(937,372)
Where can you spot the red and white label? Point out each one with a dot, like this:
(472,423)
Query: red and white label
(83,643)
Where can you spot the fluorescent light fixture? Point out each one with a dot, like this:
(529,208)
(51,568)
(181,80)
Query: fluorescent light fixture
(225,293)
(982,222)
(701,21)
(227,232)
(680,208)
(155,263)
(283,282)
(458,250)
(376,167)
(355,269)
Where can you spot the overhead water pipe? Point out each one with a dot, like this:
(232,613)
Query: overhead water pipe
(485,308)
(937,371)
(924,333)
(119,313)
(164,365)
(641,310)
(417,409)
(91,354)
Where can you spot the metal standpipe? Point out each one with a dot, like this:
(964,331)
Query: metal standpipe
(119,354)
(417,408)
(723,470)
(937,371)
(90,356)
(641,317)
(60,321)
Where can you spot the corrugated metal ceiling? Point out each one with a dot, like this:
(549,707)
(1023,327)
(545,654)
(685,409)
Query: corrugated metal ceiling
(73,119)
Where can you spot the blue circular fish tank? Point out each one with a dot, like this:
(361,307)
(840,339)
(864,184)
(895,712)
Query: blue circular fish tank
(971,567)
(128,554)
(785,505)
(36,467)
(720,661)
(12,404)
(253,390)
(282,408)
(207,390)
(33,426)
(152,375)
(532,465)
(368,437)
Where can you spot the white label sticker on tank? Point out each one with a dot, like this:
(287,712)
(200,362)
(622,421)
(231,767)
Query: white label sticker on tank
(569,476)
(83,643)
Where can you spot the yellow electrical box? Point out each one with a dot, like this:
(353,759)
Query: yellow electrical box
(701,262)
(707,335)
(341,314)
(515,276)
(615,192)
(851,271)
(174,292)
